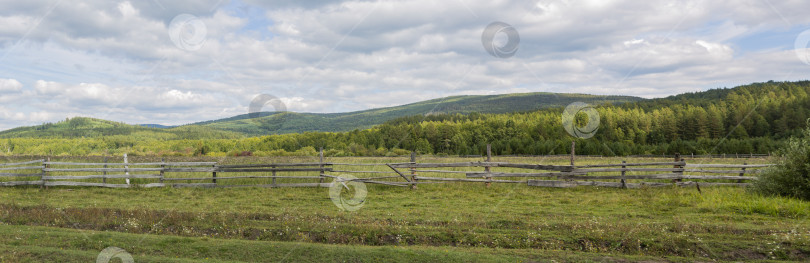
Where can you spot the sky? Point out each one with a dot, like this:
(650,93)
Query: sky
(178,62)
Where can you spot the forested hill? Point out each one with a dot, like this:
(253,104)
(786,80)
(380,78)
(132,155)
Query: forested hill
(754,118)
(291,122)
(81,127)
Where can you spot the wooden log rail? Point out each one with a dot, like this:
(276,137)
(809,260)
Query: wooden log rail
(565,184)
(31,168)
(136,164)
(676,171)
(58,173)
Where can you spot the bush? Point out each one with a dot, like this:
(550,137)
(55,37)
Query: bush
(791,175)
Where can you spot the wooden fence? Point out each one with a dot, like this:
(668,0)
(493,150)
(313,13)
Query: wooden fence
(678,172)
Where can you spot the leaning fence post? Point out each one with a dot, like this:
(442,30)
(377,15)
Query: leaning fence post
(413,170)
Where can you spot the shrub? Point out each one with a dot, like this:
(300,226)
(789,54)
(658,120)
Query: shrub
(791,175)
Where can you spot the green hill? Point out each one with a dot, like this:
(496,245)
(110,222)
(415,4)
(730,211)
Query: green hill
(754,118)
(82,127)
(291,122)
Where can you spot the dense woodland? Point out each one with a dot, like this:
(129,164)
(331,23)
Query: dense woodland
(756,118)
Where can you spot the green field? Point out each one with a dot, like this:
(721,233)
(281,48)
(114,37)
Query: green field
(457,222)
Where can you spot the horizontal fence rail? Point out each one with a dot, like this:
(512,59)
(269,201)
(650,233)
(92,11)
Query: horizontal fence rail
(679,172)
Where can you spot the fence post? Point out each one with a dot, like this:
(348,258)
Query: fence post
(624,184)
(45,166)
(162,167)
(677,159)
(274,173)
(573,149)
(214,174)
(413,170)
(320,165)
(742,173)
(104,173)
(487,169)
(126,169)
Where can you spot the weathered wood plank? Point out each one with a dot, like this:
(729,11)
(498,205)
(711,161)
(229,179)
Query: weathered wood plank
(398,172)
(69,183)
(366,172)
(120,176)
(102,169)
(602,170)
(440,171)
(567,184)
(243,177)
(22,163)
(552,183)
(484,174)
(728,165)
(20,168)
(359,164)
(19,175)
(435,165)
(722,171)
(190,170)
(212,185)
(16,183)
(464,180)
(630,164)
(261,165)
(561,168)
(400,184)
(619,184)
(656,177)
(248,170)
(374,178)
(136,164)
(691,183)
(628,185)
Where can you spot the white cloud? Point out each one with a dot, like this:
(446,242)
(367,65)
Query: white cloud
(114,59)
(10,85)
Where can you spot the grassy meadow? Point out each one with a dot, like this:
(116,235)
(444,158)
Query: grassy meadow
(452,222)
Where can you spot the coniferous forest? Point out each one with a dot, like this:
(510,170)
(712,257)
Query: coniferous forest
(755,118)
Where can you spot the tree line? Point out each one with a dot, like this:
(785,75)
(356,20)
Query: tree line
(755,118)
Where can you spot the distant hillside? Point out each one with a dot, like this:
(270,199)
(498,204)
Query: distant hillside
(291,122)
(159,126)
(755,118)
(82,127)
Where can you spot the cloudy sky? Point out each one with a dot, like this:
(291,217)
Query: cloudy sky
(176,62)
